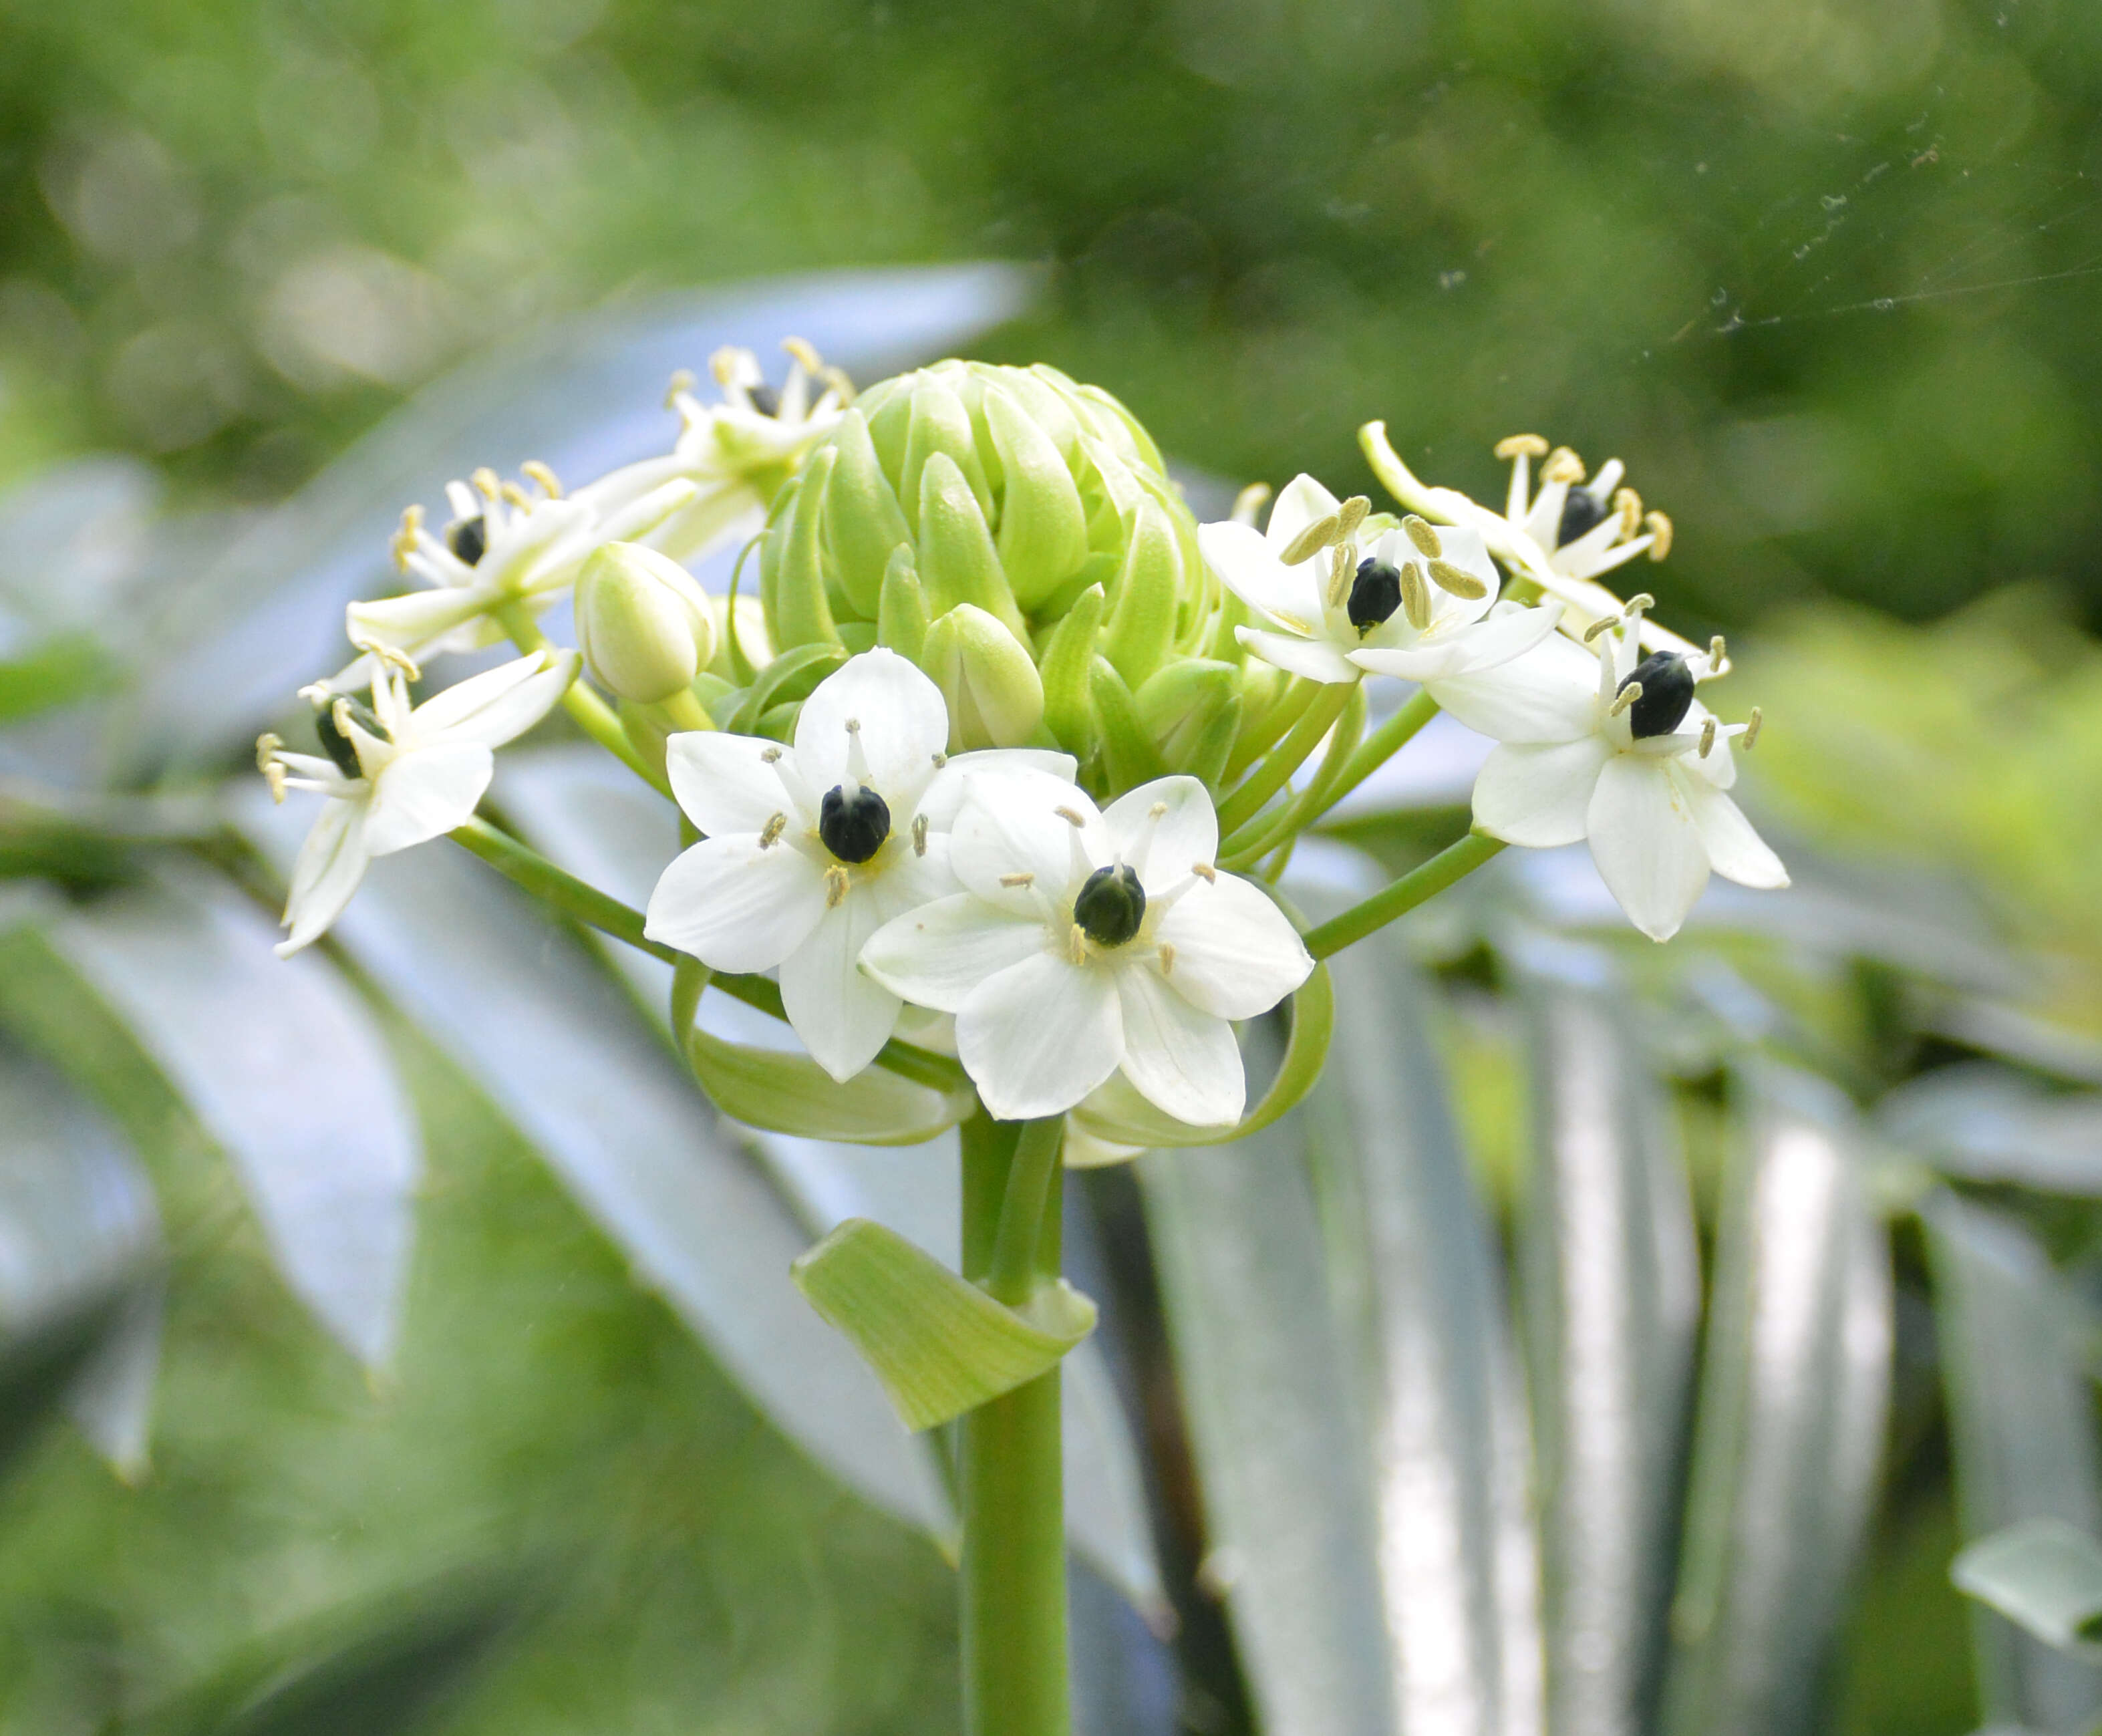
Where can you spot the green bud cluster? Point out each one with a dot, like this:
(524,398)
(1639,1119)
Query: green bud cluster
(1016,535)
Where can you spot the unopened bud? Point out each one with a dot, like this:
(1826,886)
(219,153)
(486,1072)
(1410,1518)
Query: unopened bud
(994,695)
(645,627)
(1191,708)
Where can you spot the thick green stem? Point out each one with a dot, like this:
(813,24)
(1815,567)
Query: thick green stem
(1266,831)
(1378,748)
(587,905)
(1289,756)
(1013,1591)
(1453,863)
(591,713)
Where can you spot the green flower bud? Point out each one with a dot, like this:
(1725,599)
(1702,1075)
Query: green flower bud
(1192,710)
(645,629)
(900,620)
(994,695)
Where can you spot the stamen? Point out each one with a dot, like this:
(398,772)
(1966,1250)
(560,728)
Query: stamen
(1598,627)
(405,540)
(1521,446)
(1458,580)
(1076,944)
(1415,596)
(1023,879)
(798,349)
(1070,818)
(1628,504)
(723,364)
(1660,530)
(1248,502)
(836,381)
(266,762)
(1707,738)
(1341,571)
(1205,871)
(1718,655)
(1751,736)
(1419,532)
(681,383)
(487,484)
(1167,958)
(768,755)
(771,835)
(940,760)
(857,757)
(1158,811)
(1562,466)
(516,496)
(1310,541)
(1351,513)
(1627,696)
(919,834)
(1636,604)
(390,657)
(836,883)
(551,485)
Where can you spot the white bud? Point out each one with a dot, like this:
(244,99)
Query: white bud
(645,627)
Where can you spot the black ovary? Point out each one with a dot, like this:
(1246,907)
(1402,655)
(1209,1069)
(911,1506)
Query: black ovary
(1582,511)
(339,746)
(1375,594)
(1667,694)
(468,538)
(1110,906)
(766,400)
(853,826)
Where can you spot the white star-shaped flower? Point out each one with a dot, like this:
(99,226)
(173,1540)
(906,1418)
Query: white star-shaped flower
(1594,744)
(396,776)
(506,543)
(1415,601)
(736,453)
(810,849)
(1085,941)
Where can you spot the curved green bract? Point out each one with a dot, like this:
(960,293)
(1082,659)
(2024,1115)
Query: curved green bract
(940,1345)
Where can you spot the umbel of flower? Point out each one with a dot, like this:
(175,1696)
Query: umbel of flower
(644,627)
(1039,505)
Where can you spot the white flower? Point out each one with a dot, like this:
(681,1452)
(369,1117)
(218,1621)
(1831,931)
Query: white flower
(1084,941)
(736,454)
(396,776)
(1600,746)
(809,849)
(1413,600)
(504,544)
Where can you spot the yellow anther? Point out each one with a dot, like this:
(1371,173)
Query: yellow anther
(1718,655)
(1248,502)
(1660,533)
(1624,699)
(835,886)
(769,755)
(682,382)
(1421,535)
(1159,811)
(486,483)
(1596,627)
(1076,943)
(266,762)
(1521,446)
(405,539)
(1415,596)
(1340,570)
(1458,580)
(799,349)
(551,485)
(516,496)
(1636,604)
(1205,871)
(1072,817)
(1351,513)
(771,835)
(919,834)
(940,759)
(1707,738)
(1628,504)
(1310,541)
(1562,466)
(1023,879)
(836,379)
(1752,730)
(387,657)
(723,364)
(1167,958)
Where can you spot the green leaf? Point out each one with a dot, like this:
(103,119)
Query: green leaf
(940,1345)
(787,1092)
(1117,1113)
(2043,1574)
(73,666)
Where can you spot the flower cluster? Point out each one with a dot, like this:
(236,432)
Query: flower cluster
(1001,754)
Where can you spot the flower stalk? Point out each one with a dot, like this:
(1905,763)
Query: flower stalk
(1453,863)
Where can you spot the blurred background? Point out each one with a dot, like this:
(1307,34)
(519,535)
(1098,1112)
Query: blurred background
(1825,274)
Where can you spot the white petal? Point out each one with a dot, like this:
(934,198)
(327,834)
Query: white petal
(1735,851)
(726,784)
(424,794)
(1039,1035)
(500,704)
(1646,845)
(1301,502)
(1182,1060)
(1477,644)
(1236,955)
(330,863)
(1010,827)
(1539,796)
(736,907)
(902,725)
(1248,567)
(411,622)
(936,956)
(1162,850)
(944,795)
(1317,659)
(905,879)
(842,1016)
(1550,693)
